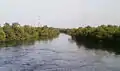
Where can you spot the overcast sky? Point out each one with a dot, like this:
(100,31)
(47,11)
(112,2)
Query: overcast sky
(61,13)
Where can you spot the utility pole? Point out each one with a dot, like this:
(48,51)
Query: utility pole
(38,24)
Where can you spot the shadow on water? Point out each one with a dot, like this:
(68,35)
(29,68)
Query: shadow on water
(110,46)
(16,43)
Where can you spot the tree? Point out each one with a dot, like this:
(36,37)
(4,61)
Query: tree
(2,34)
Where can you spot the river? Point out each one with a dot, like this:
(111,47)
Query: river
(59,54)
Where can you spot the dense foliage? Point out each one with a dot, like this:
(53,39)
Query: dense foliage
(100,33)
(26,32)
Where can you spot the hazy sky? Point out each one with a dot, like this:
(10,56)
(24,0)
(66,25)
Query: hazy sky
(61,13)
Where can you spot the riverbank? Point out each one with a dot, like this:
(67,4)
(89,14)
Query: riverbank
(105,37)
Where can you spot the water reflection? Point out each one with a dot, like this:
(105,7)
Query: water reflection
(24,43)
(15,43)
(110,46)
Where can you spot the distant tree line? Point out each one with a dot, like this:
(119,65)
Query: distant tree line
(17,32)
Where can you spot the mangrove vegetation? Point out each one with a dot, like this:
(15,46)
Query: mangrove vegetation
(17,32)
(100,33)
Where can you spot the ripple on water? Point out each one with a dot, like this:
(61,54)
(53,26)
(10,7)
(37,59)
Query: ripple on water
(56,56)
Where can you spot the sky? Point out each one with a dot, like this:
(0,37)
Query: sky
(60,13)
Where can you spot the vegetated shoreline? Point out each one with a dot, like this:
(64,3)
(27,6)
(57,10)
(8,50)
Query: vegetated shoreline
(106,37)
(100,33)
(19,33)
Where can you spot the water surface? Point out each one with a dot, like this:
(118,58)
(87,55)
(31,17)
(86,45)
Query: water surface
(60,54)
